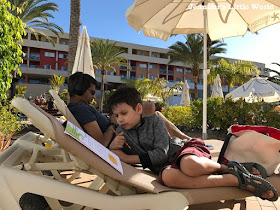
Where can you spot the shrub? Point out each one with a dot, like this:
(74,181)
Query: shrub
(9,124)
(223,113)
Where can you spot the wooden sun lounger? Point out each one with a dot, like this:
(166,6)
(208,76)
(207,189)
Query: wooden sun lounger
(22,165)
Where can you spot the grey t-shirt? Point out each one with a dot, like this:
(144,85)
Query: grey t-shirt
(151,141)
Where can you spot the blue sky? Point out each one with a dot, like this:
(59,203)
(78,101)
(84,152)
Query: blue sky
(106,19)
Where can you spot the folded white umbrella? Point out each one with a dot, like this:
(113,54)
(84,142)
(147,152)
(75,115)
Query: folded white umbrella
(217,88)
(185,99)
(83,59)
(257,89)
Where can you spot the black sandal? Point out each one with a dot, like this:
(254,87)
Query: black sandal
(259,167)
(246,179)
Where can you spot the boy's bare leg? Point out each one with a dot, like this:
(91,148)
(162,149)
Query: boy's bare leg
(191,165)
(195,172)
(172,129)
(177,179)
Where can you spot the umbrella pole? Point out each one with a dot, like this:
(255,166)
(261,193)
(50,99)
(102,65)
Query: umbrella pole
(204,121)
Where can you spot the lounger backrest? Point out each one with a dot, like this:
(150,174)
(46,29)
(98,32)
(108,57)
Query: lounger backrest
(49,125)
(61,106)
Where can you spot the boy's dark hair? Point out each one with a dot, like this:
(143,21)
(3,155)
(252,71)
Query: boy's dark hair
(79,82)
(124,94)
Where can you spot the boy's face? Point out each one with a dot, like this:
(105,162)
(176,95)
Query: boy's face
(126,116)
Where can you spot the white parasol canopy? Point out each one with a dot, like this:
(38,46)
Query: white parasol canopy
(217,88)
(257,89)
(83,59)
(218,18)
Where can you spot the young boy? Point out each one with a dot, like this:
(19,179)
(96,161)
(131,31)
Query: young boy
(180,164)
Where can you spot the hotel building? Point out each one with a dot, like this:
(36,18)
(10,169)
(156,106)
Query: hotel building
(42,60)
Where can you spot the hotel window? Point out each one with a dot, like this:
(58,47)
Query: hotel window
(153,77)
(153,66)
(154,55)
(188,70)
(64,68)
(142,53)
(47,66)
(64,43)
(178,79)
(143,65)
(189,81)
(49,54)
(141,76)
(65,56)
(179,69)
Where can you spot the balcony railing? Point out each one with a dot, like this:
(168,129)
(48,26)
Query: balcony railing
(34,56)
(170,71)
(162,71)
(133,67)
(34,66)
(123,67)
(132,77)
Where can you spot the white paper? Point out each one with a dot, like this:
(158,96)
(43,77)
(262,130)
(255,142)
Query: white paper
(94,146)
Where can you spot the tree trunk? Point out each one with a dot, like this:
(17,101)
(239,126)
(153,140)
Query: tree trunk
(195,88)
(102,91)
(74,32)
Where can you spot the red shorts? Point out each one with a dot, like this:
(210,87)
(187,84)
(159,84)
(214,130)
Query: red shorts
(195,147)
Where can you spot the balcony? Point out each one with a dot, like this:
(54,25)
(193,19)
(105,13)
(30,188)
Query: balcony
(34,56)
(34,66)
(123,76)
(132,77)
(162,71)
(133,67)
(123,67)
(170,71)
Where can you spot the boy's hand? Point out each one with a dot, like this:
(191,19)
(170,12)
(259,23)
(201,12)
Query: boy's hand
(117,142)
(121,155)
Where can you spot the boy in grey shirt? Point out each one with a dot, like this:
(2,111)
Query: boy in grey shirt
(180,164)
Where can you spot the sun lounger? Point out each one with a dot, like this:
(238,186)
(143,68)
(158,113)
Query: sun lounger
(22,165)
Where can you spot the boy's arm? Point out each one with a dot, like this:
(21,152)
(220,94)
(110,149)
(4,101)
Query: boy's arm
(130,159)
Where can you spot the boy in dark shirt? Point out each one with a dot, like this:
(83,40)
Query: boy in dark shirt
(179,164)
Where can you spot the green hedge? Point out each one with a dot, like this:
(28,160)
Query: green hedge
(223,113)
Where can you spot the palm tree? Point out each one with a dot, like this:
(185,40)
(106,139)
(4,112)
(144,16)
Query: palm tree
(74,32)
(238,72)
(276,74)
(191,53)
(143,86)
(159,88)
(106,56)
(57,82)
(36,14)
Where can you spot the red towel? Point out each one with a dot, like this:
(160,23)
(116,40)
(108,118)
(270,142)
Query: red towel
(269,131)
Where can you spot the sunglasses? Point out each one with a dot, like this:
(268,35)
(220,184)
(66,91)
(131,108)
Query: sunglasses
(92,92)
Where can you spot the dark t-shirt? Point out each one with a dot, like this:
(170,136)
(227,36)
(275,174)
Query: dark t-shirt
(85,113)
